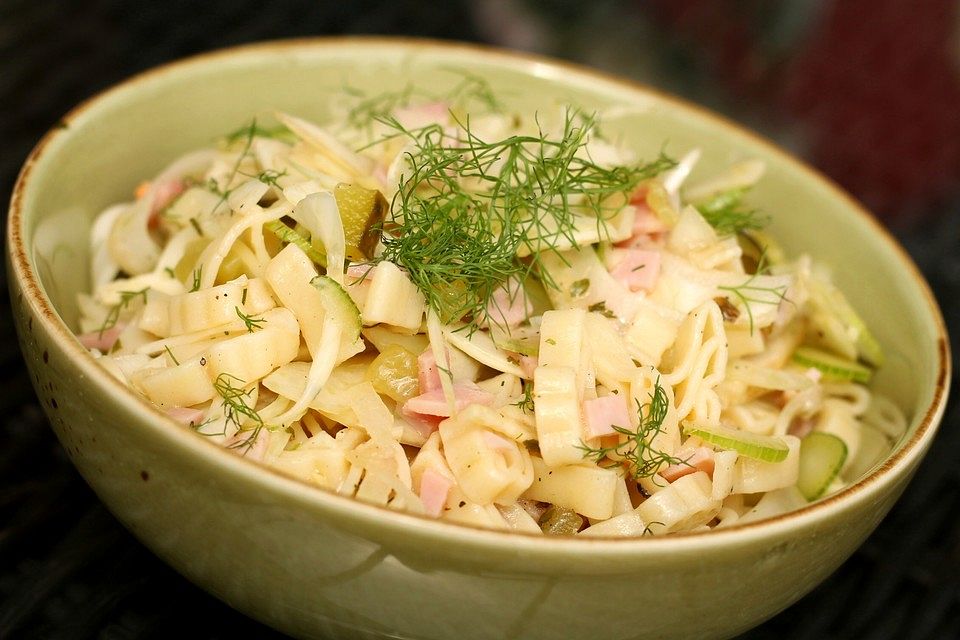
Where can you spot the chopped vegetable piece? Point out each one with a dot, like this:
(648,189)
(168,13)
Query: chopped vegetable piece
(394,373)
(340,305)
(832,367)
(832,300)
(362,212)
(751,445)
(289,236)
(560,521)
(821,458)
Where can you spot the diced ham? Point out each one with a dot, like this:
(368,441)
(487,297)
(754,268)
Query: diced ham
(801,426)
(186,415)
(508,309)
(497,442)
(102,340)
(434,489)
(433,402)
(639,269)
(602,414)
(422,424)
(427,371)
(167,192)
(528,364)
(422,115)
(360,272)
(646,221)
(241,444)
(700,459)
(648,227)
(164,194)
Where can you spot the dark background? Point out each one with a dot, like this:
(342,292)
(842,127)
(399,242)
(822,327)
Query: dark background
(867,90)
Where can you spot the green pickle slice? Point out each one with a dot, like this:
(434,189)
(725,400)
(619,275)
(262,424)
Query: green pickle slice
(822,456)
(751,445)
(833,368)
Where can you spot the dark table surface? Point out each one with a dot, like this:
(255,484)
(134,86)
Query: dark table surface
(69,570)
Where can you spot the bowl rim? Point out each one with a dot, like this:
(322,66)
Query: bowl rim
(303,494)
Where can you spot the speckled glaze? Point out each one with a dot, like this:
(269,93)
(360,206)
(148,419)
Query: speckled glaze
(315,564)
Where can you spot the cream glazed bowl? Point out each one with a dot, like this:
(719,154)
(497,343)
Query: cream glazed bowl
(315,564)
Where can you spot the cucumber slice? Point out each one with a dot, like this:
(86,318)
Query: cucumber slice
(832,367)
(289,236)
(340,306)
(821,458)
(832,301)
(751,445)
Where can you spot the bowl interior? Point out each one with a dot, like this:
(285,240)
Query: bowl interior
(135,130)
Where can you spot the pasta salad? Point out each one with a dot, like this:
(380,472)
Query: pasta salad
(497,319)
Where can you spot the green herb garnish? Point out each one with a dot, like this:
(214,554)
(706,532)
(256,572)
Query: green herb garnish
(126,298)
(170,353)
(246,134)
(601,308)
(579,287)
(748,293)
(236,409)
(251,322)
(727,213)
(526,402)
(197,278)
(635,452)
(279,132)
(370,109)
(270,177)
(458,243)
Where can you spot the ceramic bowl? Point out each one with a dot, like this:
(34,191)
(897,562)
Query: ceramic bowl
(314,564)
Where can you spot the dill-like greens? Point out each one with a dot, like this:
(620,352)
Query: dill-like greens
(526,402)
(648,529)
(252,322)
(170,353)
(236,409)
(635,452)
(279,132)
(473,89)
(467,206)
(270,177)
(747,292)
(579,287)
(246,134)
(601,308)
(368,110)
(727,214)
(472,93)
(113,315)
(197,278)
